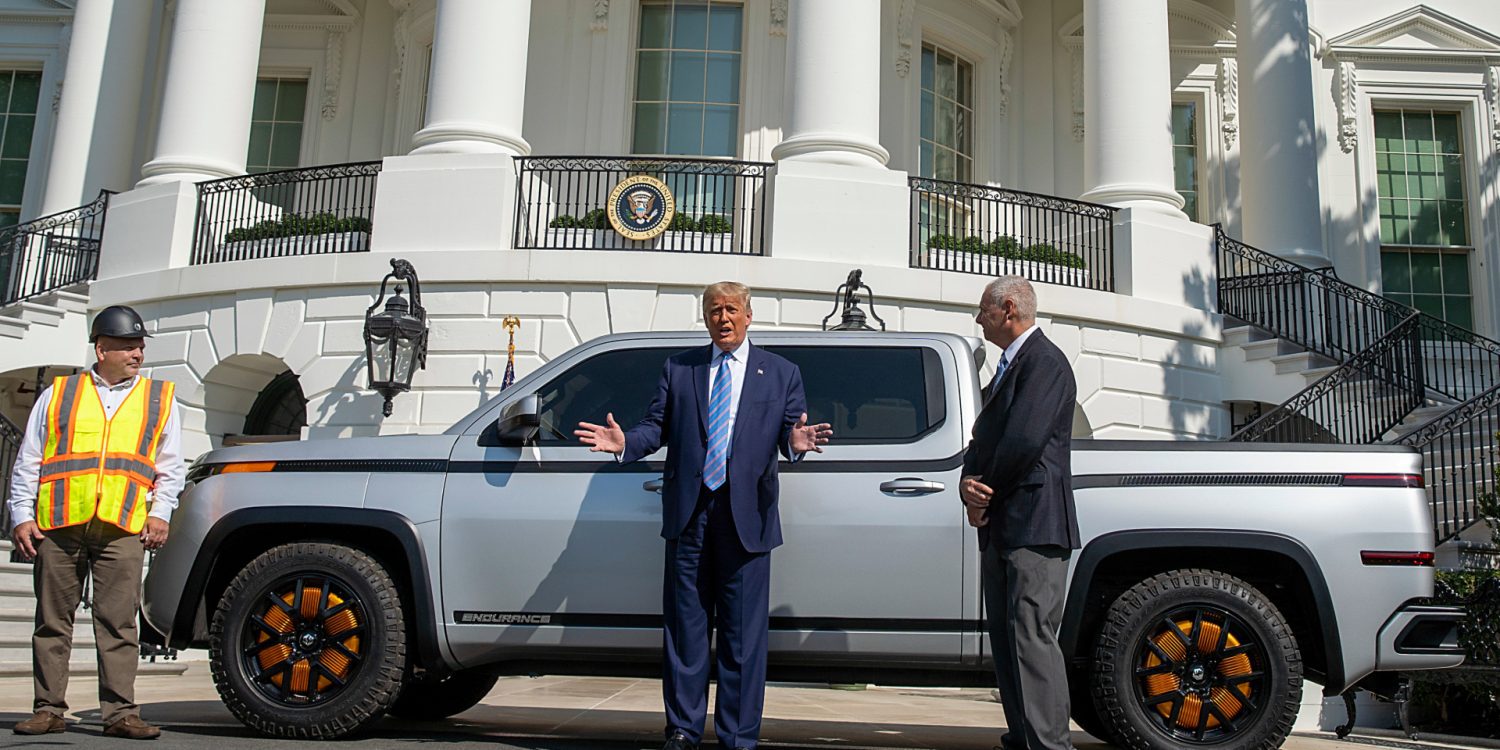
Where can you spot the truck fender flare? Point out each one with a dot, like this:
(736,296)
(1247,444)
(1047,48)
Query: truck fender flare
(1107,545)
(398,526)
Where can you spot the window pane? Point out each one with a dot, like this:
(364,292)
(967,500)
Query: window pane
(724,24)
(260,145)
(685,129)
(1426,277)
(5,80)
(1452,169)
(947,79)
(24,94)
(943,167)
(720,131)
(946,127)
(656,26)
(1454,227)
(1445,127)
(1395,272)
(925,165)
(651,76)
(18,136)
(650,129)
(1184,131)
(622,382)
(687,76)
(291,101)
(927,115)
(265,100)
(286,145)
(1432,304)
(1190,205)
(1459,311)
(1418,132)
(965,83)
(900,406)
(1186,169)
(1424,225)
(12,181)
(723,78)
(929,64)
(1455,273)
(689,26)
(1388,131)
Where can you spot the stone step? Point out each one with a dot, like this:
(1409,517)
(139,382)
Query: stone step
(1301,362)
(14,328)
(1266,348)
(39,314)
(1241,335)
(73,299)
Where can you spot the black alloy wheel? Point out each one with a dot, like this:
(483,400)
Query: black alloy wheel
(302,646)
(1202,672)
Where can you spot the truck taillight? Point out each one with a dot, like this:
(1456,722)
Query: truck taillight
(1413,481)
(1376,557)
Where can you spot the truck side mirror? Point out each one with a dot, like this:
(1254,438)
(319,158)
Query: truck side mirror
(520,421)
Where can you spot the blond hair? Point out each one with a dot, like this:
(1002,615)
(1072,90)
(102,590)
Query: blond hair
(732,289)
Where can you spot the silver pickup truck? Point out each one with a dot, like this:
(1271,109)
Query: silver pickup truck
(334,581)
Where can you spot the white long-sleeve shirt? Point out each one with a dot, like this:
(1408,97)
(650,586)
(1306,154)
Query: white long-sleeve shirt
(171,471)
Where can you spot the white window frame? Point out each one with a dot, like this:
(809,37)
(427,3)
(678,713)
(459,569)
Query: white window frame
(46,58)
(748,30)
(994,148)
(307,65)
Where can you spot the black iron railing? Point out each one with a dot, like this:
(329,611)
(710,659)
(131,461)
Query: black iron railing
(1358,402)
(311,211)
(53,252)
(957,226)
(1459,460)
(720,205)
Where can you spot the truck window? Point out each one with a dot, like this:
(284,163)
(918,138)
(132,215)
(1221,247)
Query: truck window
(871,394)
(622,381)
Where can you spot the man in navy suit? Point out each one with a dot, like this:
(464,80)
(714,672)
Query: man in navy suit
(1018,488)
(723,411)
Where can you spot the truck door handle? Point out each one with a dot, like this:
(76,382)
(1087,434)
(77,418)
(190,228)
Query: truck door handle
(911,486)
(653,485)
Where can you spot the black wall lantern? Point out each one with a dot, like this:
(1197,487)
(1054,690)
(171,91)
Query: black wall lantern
(848,295)
(396,337)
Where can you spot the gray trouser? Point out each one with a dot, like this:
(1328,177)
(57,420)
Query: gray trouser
(64,558)
(1023,598)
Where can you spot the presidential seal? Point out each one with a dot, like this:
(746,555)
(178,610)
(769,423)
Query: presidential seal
(641,207)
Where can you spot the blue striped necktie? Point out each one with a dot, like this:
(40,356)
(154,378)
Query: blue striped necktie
(715,466)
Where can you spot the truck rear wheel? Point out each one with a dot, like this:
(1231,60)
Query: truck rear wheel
(428,699)
(308,641)
(1191,658)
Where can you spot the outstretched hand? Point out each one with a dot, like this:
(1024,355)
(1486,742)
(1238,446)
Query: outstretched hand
(810,437)
(605,438)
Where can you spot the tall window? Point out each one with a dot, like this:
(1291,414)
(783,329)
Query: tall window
(1424,234)
(276,124)
(18,95)
(947,150)
(687,87)
(1185,155)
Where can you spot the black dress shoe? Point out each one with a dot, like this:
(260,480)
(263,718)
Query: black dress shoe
(679,741)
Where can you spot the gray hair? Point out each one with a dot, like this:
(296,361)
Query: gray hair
(1015,289)
(727,289)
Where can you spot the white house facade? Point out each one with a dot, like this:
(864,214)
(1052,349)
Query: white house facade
(267,159)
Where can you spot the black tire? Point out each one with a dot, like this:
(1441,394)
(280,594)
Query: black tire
(288,666)
(1193,658)
(432,699)
(1081,705)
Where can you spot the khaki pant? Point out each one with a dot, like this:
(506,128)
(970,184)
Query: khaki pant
(64,558)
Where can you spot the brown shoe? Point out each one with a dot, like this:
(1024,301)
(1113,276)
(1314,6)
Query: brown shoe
(42,722)
(132,728)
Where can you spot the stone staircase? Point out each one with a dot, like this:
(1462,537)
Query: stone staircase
(17,613)
(47,330)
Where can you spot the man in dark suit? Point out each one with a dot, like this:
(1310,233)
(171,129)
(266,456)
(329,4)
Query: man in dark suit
(723,411)
(1018,491)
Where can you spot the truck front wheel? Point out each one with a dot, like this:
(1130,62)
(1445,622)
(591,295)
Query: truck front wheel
(1191,658)
(308,641)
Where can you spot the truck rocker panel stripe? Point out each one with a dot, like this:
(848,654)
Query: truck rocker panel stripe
(646,622)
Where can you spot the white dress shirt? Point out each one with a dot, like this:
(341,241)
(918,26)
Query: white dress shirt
(738,358)
(171,471)
(1015,346)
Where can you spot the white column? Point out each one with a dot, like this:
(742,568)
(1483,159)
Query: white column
(1127,85)
(1281,210)
(209,91)
(476,95)
(93,146)
(833,73)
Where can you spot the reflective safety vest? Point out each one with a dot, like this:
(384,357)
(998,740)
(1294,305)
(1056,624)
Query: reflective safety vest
(98,466)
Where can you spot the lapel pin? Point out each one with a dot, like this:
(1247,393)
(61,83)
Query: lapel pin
(759,371)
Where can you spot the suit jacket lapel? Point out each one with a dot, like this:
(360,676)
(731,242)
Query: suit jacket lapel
(1004,386)
(700,385)
(750,389)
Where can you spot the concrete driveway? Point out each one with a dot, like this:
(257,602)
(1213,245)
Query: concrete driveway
(570,713)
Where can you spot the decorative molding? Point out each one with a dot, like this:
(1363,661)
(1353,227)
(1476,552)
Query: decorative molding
(1007,51)
(64,46)
(1453,33)
(401,38)
(600,21)
(333,68)
(1348,93)
(779,12)
(905,38)
(1076,54)
(1492,92)
(1229,99)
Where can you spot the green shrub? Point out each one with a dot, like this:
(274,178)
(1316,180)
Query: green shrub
(1005,247)
(942,242)
(1045,253)
(595,219)
(565,221)
(715,224)
(682,223)
(296,225)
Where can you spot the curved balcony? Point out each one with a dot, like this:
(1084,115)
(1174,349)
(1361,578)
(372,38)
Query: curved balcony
(309,211)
